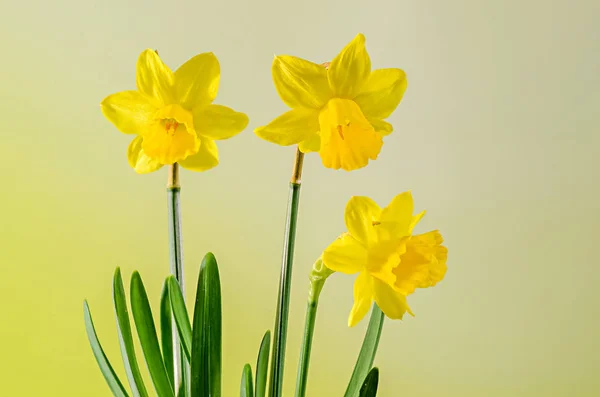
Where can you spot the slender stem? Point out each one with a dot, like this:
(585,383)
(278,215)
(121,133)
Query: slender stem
(318,275)
(285,281)
(176,256)
(309,328)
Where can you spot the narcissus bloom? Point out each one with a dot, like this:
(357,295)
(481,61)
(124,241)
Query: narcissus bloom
(337,111)
(172,114)
(391,262)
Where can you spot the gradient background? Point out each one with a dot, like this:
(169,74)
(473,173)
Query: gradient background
(497,137)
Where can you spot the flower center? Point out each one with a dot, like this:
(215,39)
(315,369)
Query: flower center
(170,126)
(171,138)
(348,140)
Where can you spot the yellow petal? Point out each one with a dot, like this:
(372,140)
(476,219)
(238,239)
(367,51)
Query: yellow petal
(345,255)
(206,158)
(348,140)
(363,298)
(172,137)
(382,93)
(311,144)
(350,69)
(138,160)
(219,122)
(397,217)
(382,127)
(392,303)
(300,83)
(361,216)
(197,81)
(415,220)
(130,111)
(154,78)
(290,128)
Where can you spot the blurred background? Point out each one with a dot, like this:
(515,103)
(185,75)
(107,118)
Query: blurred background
(497,136)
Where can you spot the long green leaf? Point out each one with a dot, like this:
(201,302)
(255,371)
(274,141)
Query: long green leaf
(184,328)
(367,353)
(185,386)
(166,331)
(206,336)
(111,377)
(369,387)
(182,392)
(126,339)
(262,365)
(142,315)
(246,388)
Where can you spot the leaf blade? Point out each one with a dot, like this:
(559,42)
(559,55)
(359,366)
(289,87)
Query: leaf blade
(132,369)
(144,323)
(115,385)
(166,332)
(182,320)
(206,335)
(369,387)
(262,365)
(367,353)
(246,388)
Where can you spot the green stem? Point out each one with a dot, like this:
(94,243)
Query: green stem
(317,277)
(309,328)
(285,282)
(176,257)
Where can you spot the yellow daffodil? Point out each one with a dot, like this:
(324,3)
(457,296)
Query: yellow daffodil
(391,262)
(173,115)
(337,111)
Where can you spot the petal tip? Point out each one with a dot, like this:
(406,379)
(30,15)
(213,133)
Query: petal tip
(352,321)
(147,51)
(244,120)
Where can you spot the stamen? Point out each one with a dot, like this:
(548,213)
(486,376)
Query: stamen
(376,223)
(171,126)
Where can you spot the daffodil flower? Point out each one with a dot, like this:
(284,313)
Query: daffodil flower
(172,114)
(337,111)
(391,262)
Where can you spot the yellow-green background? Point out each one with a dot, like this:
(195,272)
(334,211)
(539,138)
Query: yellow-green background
(497,137)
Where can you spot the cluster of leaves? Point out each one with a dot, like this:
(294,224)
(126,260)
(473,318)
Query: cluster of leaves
(200,342)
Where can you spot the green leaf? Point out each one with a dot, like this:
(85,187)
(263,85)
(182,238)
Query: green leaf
(367,352)
(185,387)
(246,388)
(111,377)
(369,387)
(182,392)
(126,339)
(262,365)
(206,336)
(184,328)
(166,332)
(142,315)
